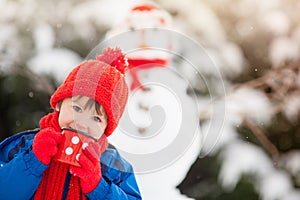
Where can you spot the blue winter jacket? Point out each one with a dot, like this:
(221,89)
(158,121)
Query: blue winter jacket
(21,172)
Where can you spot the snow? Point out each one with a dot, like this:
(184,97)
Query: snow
(248,102)
(9,46)
(104,13)
(291,161)
(283,49)
(233,107)
(159,176)
(167,103)
(44,37)
(49,60)
(277,185)
(296,35)
(213,142)
(168,116)
(242,158)
(232,57)
(200,17)
(276,22)
(292,195)
(291,107)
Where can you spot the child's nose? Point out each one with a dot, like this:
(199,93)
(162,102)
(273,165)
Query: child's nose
(81,124)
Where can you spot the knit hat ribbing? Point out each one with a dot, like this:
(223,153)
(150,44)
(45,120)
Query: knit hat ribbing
(101,79)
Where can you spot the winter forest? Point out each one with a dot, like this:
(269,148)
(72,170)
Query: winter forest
(217,117)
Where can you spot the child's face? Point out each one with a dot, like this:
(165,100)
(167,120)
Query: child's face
(75,114)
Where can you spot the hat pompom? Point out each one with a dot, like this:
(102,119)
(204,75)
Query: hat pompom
(114,57)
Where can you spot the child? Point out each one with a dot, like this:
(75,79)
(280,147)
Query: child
(92,100)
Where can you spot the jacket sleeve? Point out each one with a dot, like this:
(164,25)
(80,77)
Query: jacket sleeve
(118,181)
(20,170)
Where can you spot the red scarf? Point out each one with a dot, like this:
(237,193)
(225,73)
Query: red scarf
(53,181)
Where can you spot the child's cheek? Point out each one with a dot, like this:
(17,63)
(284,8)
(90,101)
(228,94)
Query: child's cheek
(65,119)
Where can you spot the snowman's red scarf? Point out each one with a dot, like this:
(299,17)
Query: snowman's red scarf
(53,181)
(136,64)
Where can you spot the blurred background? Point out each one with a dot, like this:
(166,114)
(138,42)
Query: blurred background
(255,45)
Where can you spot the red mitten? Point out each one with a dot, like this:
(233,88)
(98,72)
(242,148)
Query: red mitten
(45,144)
(90,170)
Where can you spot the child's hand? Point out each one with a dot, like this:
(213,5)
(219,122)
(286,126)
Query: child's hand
(90,170)
(45,144)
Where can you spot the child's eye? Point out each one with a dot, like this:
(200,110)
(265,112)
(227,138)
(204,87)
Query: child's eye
(77,108)
(97,119)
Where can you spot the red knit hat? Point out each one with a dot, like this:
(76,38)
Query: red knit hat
(101,79)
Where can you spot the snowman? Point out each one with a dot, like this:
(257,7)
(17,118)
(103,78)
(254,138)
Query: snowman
(142,20)
(159,132)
